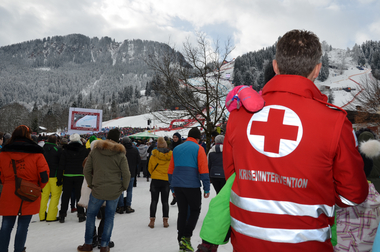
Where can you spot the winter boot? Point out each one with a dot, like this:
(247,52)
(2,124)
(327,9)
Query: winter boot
(128,209)
(207,247)
(166,224)
(81,217)
(111,244)
(185,244)
(62,217)
(105,249)
(151,223)
(85,247)
(173,201)
(120,210)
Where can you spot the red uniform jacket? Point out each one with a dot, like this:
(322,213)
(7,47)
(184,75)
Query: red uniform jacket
(294,160)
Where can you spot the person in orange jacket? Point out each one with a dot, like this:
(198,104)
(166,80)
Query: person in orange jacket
(31,166)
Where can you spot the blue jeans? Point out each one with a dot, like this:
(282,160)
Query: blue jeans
(94,205)
(129,192)
(129,195)
(120,201)
(21,233)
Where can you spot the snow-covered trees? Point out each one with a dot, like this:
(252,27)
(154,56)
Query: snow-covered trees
(324,73)
(197,89)
(367,101)
(249,67)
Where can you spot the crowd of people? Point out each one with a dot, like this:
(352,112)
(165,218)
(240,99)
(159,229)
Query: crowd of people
(73,164)
(290,173)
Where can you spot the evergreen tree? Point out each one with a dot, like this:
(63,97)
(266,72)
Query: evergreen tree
(324,73)
(137,93)
(80,100)
(147,89)
(34,125)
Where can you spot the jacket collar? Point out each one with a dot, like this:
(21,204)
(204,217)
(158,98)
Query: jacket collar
(191,139)
(23,145)
(294,84)
(51,143)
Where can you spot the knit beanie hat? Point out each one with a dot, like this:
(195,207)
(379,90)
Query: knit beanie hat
(219,139)
(126,140)
(92,138)
(177,134)
(161,143)
(194,133)
(75,138)
(365,136)
(114,134)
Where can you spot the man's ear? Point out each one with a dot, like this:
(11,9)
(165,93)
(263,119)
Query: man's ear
(314,74)
(275,67)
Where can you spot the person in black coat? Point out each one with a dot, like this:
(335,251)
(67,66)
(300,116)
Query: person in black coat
(70,174)
(215,164)
(52,155)
(177,140)
(133,157)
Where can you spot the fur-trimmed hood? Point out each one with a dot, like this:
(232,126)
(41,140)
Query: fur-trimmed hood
(370,148)
(109,147)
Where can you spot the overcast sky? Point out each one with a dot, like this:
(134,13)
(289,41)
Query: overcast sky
(251,24)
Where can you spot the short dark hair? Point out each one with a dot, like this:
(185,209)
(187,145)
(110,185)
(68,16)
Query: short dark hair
(52,139)
(298,52)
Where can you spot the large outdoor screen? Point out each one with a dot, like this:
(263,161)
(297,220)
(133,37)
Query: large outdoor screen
(84,121)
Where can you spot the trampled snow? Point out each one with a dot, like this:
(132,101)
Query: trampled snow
(130,232)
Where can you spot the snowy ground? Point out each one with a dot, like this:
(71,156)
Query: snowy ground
(130,233)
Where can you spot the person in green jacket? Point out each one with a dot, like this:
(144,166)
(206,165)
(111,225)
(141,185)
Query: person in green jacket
(106,160)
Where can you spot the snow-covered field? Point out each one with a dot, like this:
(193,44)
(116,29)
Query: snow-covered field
(130,232)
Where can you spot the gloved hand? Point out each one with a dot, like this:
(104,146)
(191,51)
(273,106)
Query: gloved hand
(59,182)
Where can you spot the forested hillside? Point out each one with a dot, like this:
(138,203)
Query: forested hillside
(55,73)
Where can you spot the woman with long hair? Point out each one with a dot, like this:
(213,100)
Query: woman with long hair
(30,166)
(158,168)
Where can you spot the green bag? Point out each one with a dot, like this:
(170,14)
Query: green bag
(217,221)
(334,238)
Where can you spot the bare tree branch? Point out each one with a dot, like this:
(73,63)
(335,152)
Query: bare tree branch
(194,83)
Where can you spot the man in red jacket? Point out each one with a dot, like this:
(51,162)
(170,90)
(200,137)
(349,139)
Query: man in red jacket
(294,160)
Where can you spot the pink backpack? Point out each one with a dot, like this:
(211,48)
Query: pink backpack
(246,96)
